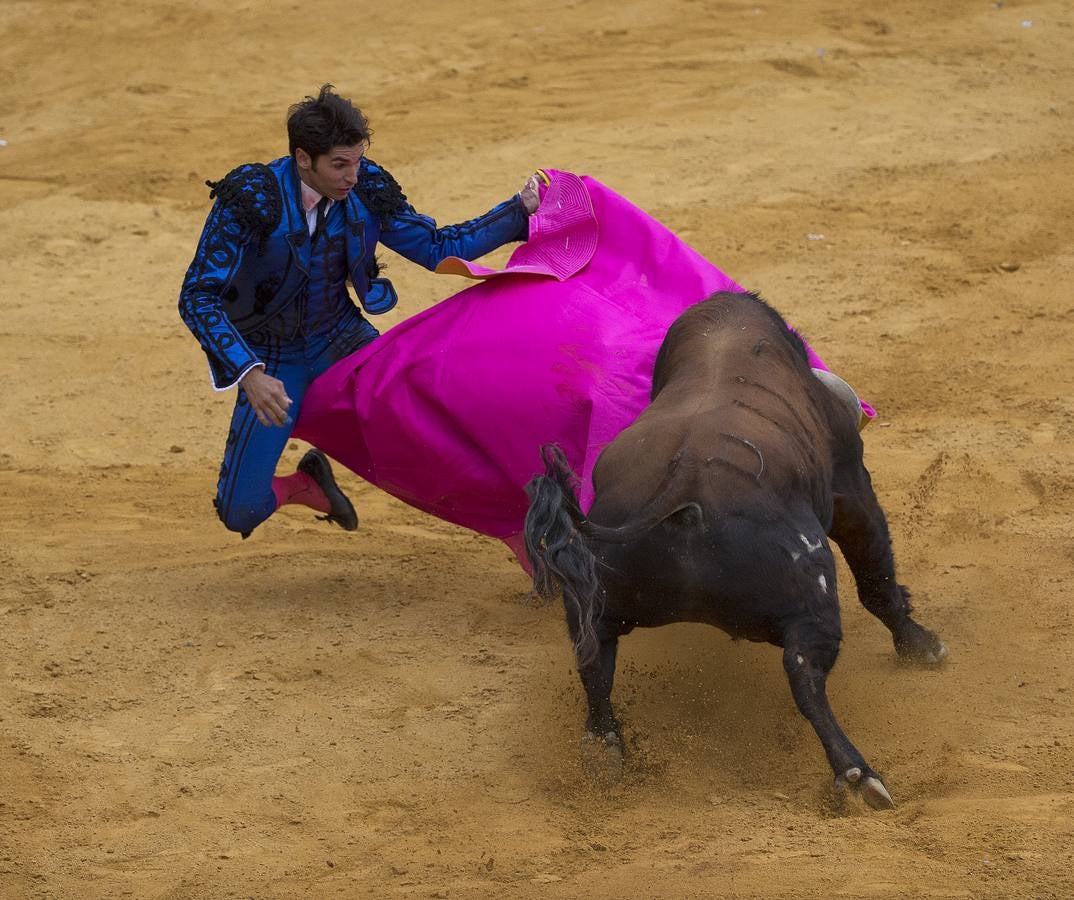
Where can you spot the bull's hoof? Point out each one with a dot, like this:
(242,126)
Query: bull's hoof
(936,656)
(875,794)
(920,646)
(870,788)
(603,757)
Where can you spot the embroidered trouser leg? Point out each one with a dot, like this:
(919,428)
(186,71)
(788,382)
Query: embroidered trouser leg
(244,495)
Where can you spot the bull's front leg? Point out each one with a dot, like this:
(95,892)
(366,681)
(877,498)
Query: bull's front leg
(860,529)
(808,656)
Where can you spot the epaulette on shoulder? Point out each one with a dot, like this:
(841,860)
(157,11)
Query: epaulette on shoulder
(252,193)
(379,192)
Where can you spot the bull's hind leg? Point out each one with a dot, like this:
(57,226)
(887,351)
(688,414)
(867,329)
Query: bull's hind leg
(604,739)
(860,529)
(597,678)
(808,656)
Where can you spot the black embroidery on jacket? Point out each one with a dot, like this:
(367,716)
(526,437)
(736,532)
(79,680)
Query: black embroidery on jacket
(380,193)
(252,193)
(265,292)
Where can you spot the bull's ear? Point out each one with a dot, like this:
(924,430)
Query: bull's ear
(844,393)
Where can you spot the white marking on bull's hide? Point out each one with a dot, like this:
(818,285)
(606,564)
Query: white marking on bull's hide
(823,582)
(812,548)
(800,659)
(795,555)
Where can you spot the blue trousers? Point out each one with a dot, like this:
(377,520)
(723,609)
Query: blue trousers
(244,497)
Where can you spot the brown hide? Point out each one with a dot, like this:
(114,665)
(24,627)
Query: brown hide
(737,422)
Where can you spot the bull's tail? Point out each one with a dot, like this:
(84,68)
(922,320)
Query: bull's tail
(558,552)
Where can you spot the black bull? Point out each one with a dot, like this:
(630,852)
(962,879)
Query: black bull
(716,506)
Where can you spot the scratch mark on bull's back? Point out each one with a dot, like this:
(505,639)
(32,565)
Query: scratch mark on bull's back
(740,379)
(803,438)
(738,470)
(752,446)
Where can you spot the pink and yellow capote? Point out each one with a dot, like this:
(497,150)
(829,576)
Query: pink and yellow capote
(447,410)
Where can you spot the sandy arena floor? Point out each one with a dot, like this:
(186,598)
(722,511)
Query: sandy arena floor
(314,713)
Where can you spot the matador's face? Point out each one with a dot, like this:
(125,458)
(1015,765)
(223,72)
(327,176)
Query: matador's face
(332,174)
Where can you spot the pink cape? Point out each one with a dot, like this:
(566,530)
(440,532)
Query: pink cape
(447,410)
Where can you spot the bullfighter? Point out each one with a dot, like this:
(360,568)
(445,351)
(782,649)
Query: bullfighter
(266,293)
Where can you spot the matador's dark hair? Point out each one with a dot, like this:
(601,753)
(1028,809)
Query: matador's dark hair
(317,124)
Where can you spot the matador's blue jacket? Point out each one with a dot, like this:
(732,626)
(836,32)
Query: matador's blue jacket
(248,280)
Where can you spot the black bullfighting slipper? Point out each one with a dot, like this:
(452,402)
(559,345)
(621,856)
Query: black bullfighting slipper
(316,465)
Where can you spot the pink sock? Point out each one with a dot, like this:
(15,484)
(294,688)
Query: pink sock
(300,488)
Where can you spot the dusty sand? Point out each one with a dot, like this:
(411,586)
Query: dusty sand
(313,713)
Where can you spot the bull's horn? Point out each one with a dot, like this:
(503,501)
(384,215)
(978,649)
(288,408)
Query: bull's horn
(844,393)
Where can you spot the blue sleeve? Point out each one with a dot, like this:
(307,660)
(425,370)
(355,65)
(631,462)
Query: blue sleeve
(219,254)
(418,238)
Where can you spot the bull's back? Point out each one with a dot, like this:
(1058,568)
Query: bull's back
(724,453)
(737,417)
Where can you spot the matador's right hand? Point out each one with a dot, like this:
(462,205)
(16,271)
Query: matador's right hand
(267,396)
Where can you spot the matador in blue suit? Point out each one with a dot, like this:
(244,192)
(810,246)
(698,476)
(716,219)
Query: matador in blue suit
(266,294)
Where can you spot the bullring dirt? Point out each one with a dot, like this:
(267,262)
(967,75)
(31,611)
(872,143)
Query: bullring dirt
(315,713)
